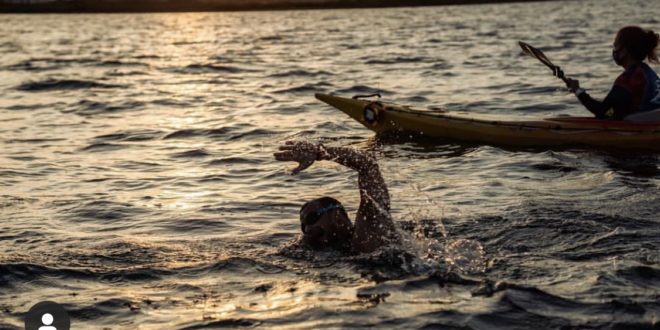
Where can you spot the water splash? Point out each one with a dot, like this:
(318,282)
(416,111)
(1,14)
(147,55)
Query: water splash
(435,253)
(466,256)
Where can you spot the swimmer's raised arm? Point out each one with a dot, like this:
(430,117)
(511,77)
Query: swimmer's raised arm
(371,182)
(373,224)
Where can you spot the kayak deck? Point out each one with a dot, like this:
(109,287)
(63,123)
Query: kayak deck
(564,131)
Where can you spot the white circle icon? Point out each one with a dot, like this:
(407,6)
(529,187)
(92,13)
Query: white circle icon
(47,319)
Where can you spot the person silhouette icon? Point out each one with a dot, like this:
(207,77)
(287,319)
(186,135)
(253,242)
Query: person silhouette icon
(47,315)
(47,320)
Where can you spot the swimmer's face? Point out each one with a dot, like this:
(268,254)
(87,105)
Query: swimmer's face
(325,224)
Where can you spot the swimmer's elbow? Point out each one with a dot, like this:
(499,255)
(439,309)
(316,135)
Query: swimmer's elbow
(369,164)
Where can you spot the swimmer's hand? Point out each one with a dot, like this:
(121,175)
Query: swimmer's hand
(303,152)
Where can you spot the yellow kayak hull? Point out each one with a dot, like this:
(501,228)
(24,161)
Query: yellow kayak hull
(552,132)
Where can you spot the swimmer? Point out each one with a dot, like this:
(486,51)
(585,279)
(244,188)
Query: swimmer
(324,221)
(637,89)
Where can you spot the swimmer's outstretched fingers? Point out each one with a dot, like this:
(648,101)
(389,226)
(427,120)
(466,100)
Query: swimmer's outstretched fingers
(305,153)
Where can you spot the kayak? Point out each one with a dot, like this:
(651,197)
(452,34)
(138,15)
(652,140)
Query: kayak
(384,118)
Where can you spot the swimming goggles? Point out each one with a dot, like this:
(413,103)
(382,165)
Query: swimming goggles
(313,217)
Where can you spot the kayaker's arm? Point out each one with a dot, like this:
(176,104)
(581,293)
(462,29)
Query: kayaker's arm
(617,100)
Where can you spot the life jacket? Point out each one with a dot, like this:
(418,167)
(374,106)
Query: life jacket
(643,85)
(652,90)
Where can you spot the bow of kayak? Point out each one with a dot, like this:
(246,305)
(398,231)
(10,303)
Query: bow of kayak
(551,132)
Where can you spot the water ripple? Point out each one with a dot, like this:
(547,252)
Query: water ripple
(62,84)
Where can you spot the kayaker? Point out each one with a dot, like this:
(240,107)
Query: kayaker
(324,221)
(637,89)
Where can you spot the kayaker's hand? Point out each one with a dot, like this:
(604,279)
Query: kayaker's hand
(303,152)
(572,84)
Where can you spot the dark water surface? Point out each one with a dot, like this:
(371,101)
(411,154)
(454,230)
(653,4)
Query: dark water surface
(138,188)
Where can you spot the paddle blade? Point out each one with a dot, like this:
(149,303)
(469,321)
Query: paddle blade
(535,52)
(527,48)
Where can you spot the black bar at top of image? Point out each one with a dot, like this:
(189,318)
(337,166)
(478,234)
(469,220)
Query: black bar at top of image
(119,6)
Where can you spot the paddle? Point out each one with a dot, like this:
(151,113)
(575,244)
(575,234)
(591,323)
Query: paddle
(534,52)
